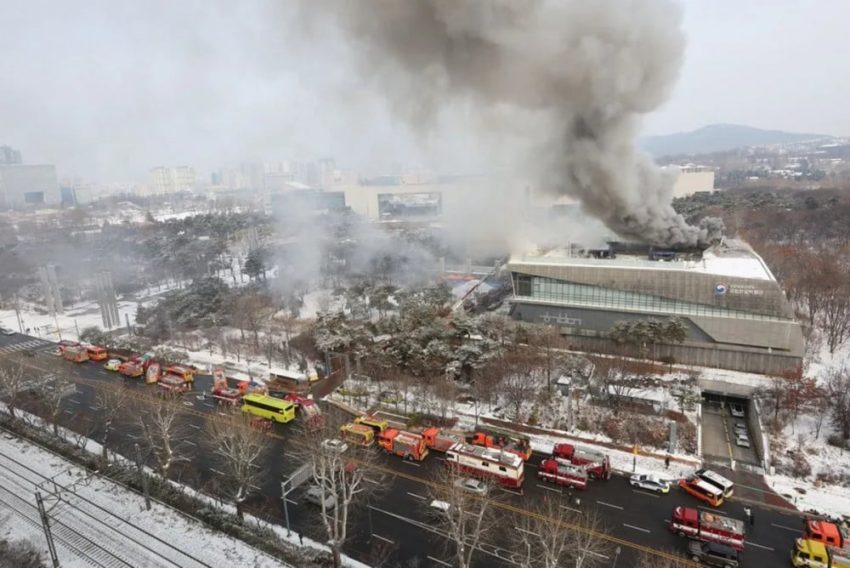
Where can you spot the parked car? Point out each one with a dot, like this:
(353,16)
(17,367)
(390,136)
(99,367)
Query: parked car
(334,445)
(472,485)
(314,496)
(112,364)
(742,440)
(650,482)
(740,427)
(713,554)
(6,331)
(737,410)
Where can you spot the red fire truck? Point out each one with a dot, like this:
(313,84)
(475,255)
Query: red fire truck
(598,465)
(504,467)
(131,369)
(223,393)
(562,472)
(75,353)
(407,445)
(504,440)
(707,526)
(438,440)
(174,385)
(308,410)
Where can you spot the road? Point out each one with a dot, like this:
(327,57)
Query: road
(398,515)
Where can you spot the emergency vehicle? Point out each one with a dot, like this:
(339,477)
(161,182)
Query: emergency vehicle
(707,526)
(504,467)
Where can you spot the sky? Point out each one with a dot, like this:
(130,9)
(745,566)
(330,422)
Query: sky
(108,89)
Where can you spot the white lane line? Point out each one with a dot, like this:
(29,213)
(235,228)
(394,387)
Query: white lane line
(570,509)
(382,538)
(190,442)
(784,527)
(520,529)
(195,426)
(647,493)
(255,488)
(416,496)
(759,545)
(710,509)
(372,481)
(408,462)
(636,528)
(438,561)
(67,412)
(71,400)
(216,471)
(548,488)
(610,505)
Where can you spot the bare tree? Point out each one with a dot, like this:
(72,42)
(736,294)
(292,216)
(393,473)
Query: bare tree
(539,538)
(239,450)
(838,387)
(662,559)
(467,517)
(12,384)
(339,480)
(110,402)
(163,432)
(615,381)
(52,391)
(587,547)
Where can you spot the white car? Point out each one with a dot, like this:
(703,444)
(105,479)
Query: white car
(440,505)
(740,428)
(742,441)
(314,496)
(650,482)
(6,331)
(472,485)
(737,410)
(334,445)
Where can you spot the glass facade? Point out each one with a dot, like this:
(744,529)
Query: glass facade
(570,293)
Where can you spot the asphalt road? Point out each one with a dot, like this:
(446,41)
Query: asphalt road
(397,518)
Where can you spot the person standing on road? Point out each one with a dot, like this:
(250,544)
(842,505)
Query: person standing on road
(667,461)
(752,519)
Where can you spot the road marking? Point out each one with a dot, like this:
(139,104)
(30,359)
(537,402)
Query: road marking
(255,488)
(408,462)
(610,505)
(67,412)
(759,545)
(647,493)
(71,400)
(718,511)
(216,471)
(438,561)
(382,538)
(520,529)
(195,426)
(416,496)
(372,481)
(636,528)
(549,488)
(570,509)
(511,491)
(798,529)
(190,442)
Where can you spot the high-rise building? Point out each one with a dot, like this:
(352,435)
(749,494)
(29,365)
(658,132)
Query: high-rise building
(28,185)
(172,179)
(9,156)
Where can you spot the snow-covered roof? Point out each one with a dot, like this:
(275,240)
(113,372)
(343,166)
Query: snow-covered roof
(732,258)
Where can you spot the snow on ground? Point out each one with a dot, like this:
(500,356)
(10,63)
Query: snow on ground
(110,515)
(321,300)
(77,316)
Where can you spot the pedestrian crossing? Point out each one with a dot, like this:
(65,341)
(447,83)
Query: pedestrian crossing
(29,345)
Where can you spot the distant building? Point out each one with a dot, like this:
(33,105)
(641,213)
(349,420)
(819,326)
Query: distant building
(29,185)
(172,179)
(736,314)
(693,179)
(9,156)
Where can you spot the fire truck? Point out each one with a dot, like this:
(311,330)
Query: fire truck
(131,369)
(75,353)
(562,472)
(222,393)
(707,526)
(831,534)
(438,440)
(598,464)
(185,374)
(407,445)
(97,353)
(503,440)
(506,468)
(357,434)
(308,410)
(174,385)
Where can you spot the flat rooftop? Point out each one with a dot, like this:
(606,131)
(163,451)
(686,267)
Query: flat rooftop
(731,258)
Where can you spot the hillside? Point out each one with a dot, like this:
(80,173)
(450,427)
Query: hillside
(718,138)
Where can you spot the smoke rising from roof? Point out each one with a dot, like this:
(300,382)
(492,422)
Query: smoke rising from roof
(573,76)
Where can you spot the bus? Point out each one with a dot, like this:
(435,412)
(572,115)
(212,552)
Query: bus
(717,480)
(702,490)
(268,407)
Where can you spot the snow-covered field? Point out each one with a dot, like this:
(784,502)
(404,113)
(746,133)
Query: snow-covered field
(94,518)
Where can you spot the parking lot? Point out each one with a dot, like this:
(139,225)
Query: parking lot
(718,436)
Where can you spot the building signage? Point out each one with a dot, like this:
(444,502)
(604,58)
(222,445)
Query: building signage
(721,289)
(562,319)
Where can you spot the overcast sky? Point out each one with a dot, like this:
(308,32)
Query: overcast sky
(112,88)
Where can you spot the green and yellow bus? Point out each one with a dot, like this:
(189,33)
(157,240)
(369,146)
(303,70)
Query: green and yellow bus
(268,407)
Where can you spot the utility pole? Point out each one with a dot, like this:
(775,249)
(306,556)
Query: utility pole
(45,523)
(144,478)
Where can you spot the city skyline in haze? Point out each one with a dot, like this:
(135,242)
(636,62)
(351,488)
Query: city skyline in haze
(108,91)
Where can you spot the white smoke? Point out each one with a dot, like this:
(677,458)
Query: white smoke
(573,76)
